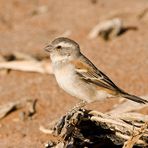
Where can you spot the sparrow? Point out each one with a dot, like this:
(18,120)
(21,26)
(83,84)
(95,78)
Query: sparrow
(79,77)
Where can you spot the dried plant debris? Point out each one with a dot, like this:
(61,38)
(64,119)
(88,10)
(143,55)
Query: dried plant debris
(24,62)
(127,106)
(28,66)
(15,105)
(31,107)
(7,108)
(109,29)
(134,138)
(85,128)
(16,56)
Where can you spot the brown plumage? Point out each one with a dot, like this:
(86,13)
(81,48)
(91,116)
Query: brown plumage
(78,76)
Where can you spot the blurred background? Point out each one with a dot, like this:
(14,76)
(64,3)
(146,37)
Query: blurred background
(27,26)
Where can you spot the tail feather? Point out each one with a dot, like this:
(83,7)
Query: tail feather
(134,98)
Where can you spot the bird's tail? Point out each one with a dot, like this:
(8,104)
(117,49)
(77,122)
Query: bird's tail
(134,98)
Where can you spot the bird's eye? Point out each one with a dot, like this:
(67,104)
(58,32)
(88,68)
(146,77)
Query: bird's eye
(59,47)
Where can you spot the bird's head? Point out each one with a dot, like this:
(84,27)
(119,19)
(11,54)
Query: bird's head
(63,49)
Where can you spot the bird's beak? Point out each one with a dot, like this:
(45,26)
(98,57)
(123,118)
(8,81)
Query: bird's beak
(48,48)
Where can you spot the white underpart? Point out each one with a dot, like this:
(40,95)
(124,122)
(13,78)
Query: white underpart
(58,58)
(72,84)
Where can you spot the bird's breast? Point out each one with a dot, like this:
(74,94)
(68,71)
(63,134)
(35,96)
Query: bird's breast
(68,80)
(65,76)
(72,84)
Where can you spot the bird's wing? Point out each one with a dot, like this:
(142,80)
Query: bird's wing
(88,72)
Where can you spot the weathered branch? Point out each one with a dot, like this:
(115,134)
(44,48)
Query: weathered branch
(28,66)
(85,128)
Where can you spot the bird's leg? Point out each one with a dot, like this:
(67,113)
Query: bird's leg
(78,106)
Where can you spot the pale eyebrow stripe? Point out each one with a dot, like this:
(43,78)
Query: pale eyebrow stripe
(63,44)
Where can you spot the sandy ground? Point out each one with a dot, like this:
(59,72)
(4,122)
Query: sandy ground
(27,26)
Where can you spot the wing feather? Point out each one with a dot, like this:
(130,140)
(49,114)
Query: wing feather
(88,72)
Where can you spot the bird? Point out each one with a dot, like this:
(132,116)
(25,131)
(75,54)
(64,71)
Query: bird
(79,77)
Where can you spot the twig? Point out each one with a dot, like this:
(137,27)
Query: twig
(107,29)
(28,66)
(45,130)
(32,107)
(135,138)
(7,108)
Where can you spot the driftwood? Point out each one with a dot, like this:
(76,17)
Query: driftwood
(87,128)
